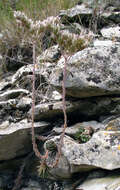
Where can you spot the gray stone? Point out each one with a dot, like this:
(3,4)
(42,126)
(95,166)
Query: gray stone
(18,56)
(93,12)
(111,32)
(5,84)
(14,110)
(77,10)
(110,17)
(101,151)
(23,78)
(103,43)
(106,183)
(23,71)
(15,138)
(51,110)
(77,14)
(99,108)
(52,54)
(72,130)
(11,94)
(93,71)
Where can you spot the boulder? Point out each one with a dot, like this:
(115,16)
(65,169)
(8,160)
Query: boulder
(18,56)
(83,128)
(86,12)
(93,71)
(51,54)
(101,151)
(107,183)
(15,138)
(11,94)
(111,32)
(14,110)
(79,13)
(99,108)
(52,110)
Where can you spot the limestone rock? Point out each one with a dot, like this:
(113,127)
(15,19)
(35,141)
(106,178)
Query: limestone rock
(11,94)
(111,32)
(101,151)
(99,108)
(75,128)
(93,71)
(52,54)
(15,138)
(51,110)
(107,183)
(77,13)
(83,13)
(103,43)
(18,57)
(23,78)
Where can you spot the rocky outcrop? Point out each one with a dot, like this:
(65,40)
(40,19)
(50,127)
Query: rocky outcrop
(109,182)
(91,145)
(101,151)
(91,72)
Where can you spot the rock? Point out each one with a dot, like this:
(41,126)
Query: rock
(51,110)
(101,151)
(93,71)
(23,71)
(6,181)
(113,125)
(109,182)
(32,185)
(75,28)
(31,188)
(86,12)
(40,184)
(99,108)
(72,130)
(103,43)
(14,110)
(102,3)
(24,103)
(15,138)
(76,14)
(92,138)
(23,78)
(5,84)
(111,32)
(110,17)
(7,128)
(82,132)
(56,96)
(18,57)
(51,54)
(11,94)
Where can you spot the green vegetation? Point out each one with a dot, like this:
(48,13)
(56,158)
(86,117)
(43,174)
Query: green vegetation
(70,44)
(51,146)
(82,136)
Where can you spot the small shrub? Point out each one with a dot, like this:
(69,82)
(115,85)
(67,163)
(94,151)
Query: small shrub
(83,135)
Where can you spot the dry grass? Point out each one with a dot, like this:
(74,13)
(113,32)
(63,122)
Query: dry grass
(35,9)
